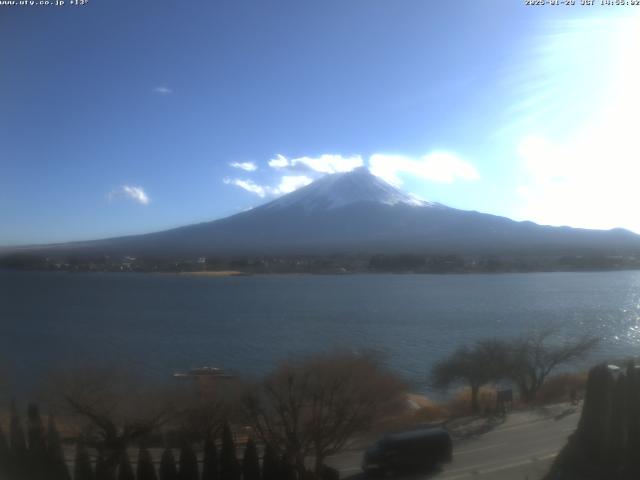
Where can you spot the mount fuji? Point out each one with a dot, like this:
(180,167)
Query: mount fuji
(356,212)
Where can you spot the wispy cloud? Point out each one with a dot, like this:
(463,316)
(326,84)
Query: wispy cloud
(246,166)
(327,163)
(308,167)
(130,192)
(439,166)
(248,185)
(287,184)
(162,90)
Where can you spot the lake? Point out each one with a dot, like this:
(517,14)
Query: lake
(159,323)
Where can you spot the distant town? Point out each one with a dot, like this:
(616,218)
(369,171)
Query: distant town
(327,264)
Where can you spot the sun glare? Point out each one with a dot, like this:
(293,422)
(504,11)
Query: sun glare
(586,173)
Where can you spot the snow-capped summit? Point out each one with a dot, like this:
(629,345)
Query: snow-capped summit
(341,189)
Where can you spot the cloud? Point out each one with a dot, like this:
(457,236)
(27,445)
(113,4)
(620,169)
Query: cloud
(279,162)
(248,185)
(162,90)
(327,163)
(288,184)
(131,192)
(439,166)
(246,166)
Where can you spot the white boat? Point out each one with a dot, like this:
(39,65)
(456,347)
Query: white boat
(203,372)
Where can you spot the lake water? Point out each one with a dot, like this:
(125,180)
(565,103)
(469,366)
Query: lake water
(160,323)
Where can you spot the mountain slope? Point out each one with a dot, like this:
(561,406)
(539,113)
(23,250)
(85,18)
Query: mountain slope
(357,212)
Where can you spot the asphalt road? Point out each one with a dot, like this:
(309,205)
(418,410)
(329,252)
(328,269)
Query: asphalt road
(523,447)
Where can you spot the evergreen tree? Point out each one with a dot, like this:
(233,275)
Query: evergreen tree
(633,459)
(146,470)
(618,425)
(329,473)
(604,444)
(287,470)
(229,468)
(125,470)
(188,463)
(592,424)
(82,469)
(270,464)
(18,444)
(168,470)
(250,462)
(103,469)
(5,456)
(56,464)
(37,442)
(210,464)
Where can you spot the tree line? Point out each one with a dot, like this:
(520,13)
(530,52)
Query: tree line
(295,417)
(330,263)
(526,361)
(38,454)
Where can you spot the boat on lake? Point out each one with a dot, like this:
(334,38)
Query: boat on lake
(204,372)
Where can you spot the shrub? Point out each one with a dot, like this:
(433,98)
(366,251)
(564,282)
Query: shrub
(431,413)
(460,404)
(556,389)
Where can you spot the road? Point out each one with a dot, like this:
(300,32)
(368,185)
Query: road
(523,447)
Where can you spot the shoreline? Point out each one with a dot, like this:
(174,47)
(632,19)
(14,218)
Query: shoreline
(237,273)
(217,273)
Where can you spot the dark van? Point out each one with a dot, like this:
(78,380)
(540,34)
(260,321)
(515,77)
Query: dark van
(411,450)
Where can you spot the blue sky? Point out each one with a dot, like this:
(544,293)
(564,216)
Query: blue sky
(126,117)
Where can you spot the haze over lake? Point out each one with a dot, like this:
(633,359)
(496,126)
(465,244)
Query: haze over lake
(159,323)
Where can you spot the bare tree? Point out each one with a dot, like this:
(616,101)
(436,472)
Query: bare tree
(205,406)
(312,408)
(474,366)
(535,356)
(116,407)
